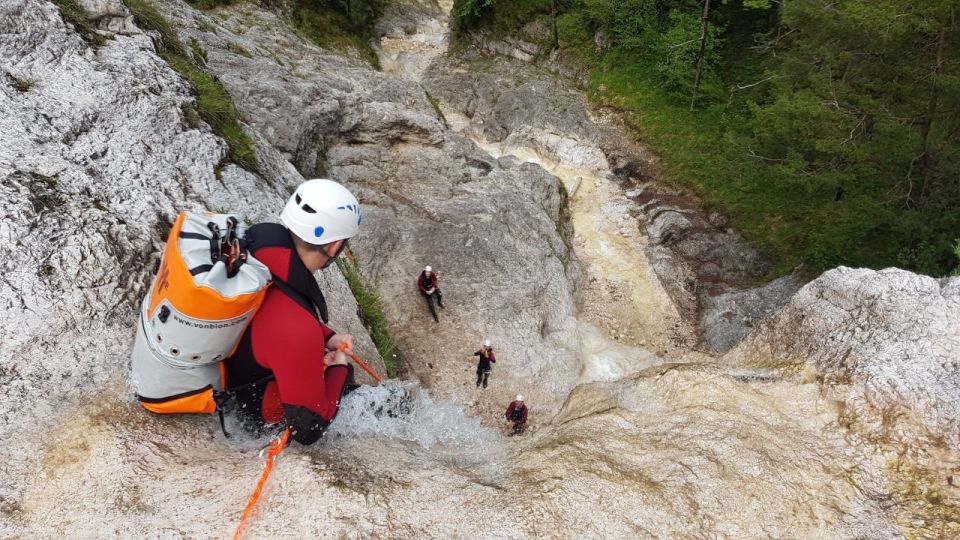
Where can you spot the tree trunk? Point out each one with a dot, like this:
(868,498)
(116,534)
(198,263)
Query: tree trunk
(925,126)
(553,16)
(703,48)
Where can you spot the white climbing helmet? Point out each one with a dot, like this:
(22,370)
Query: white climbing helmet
(486,343)
(428,268)
(321,211)
(519,397)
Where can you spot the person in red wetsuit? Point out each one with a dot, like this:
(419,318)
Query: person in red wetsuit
(517,416)
(287,367)
(429,286)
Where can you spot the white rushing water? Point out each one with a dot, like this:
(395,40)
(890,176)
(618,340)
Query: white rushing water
(403,411)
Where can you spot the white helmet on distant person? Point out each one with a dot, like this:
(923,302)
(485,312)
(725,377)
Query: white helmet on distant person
(519,397)
(322,211)
(428,268)
(486,343)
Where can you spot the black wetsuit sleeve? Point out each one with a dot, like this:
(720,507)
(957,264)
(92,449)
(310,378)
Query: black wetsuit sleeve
(307,426)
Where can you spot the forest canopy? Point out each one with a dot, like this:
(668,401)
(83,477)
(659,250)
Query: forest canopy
(828,129)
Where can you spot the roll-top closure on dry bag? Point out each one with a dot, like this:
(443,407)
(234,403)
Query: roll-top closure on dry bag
(204,295)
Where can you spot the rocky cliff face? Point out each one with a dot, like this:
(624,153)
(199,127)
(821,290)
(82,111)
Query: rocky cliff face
(771,463)
(96,159)
(887,343)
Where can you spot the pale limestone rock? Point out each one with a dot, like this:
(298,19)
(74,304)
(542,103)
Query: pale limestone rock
(111,16)
(95,161)
(886,341)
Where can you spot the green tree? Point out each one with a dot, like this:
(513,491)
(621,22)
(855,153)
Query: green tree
(829,129)
(677,50)
(867,100)
(632,24)
(469,13)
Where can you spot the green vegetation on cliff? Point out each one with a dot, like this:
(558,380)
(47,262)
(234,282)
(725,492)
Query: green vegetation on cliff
(214,105)
(339,24)
(331,24)
(73,13)
(371,313)
(828,130)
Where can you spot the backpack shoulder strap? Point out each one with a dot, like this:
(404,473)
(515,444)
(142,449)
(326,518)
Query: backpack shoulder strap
(316,305)
(304,289)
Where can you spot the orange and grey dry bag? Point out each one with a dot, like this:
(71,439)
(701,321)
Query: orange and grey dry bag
(201,301)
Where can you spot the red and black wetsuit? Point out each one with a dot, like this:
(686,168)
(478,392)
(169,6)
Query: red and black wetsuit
(484,365)
(425,283)
(286,340)
(517,413)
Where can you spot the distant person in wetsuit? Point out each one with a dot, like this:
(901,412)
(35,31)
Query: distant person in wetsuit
(288,367)
(484,365)
(517,416)
(429,286)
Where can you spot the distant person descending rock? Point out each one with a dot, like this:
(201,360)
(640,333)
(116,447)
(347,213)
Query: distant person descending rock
(484,365)
(517,416)
(429,286)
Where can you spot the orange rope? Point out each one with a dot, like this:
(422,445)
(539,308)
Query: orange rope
(343,349)
(276,446)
